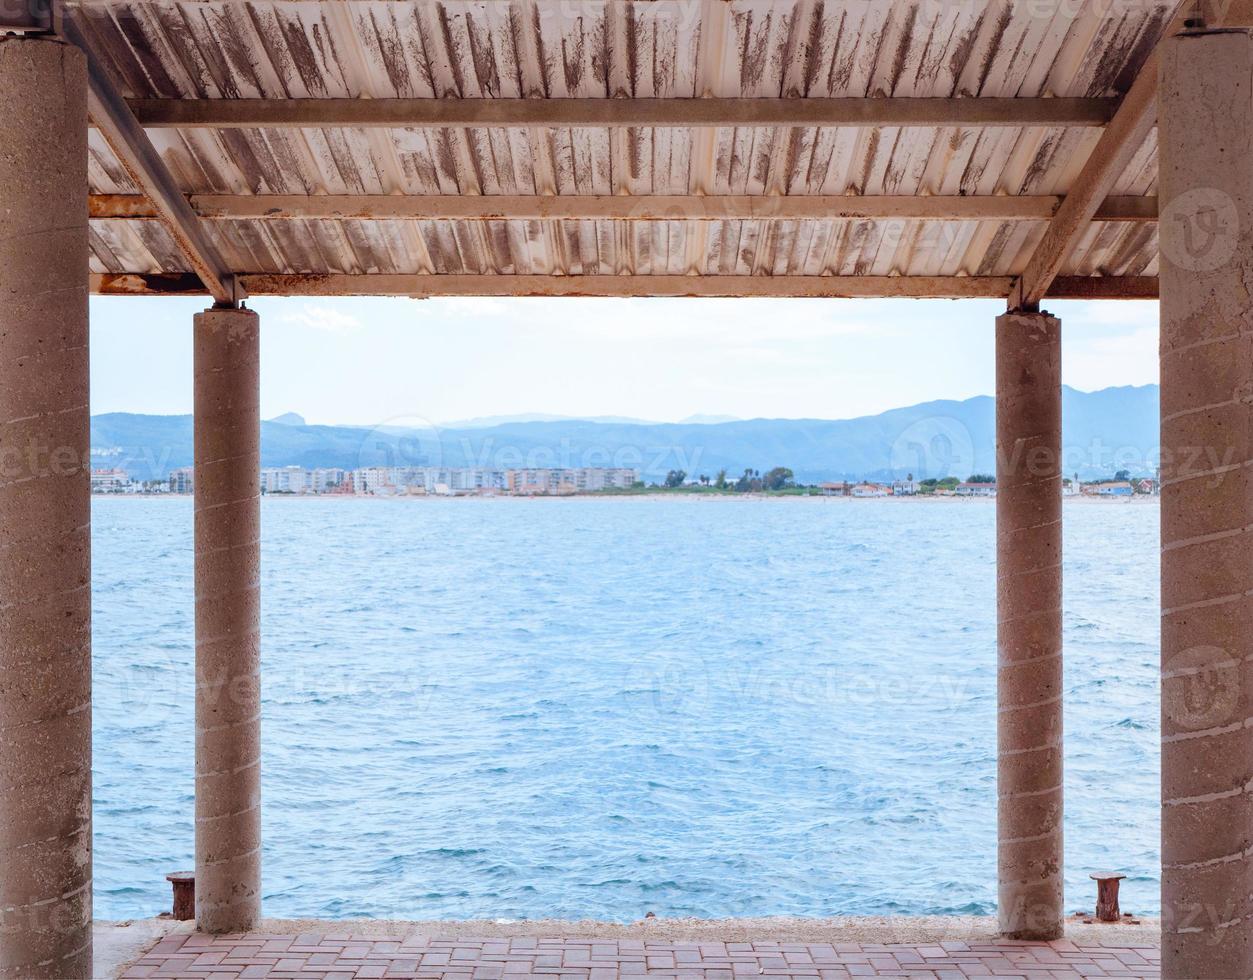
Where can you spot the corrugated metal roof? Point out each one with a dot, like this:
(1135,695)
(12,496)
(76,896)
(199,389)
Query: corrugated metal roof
(603,49)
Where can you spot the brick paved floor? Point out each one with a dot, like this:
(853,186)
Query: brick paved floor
(342,956)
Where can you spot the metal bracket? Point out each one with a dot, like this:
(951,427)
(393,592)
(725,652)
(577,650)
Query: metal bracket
(26,17)
(1014,302)
(134,150)
(237,294)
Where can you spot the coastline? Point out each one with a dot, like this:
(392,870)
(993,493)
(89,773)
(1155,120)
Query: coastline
(1137,500)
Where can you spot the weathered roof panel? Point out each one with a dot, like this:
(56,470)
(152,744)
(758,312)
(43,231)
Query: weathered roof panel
(614,49)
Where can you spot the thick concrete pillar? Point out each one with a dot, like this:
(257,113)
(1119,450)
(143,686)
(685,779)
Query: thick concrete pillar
(1206,229)
(45,514)
(1029,624)
(227,487)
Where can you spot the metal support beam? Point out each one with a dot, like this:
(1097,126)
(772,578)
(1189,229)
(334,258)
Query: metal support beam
(1124,135)
(278,207)
(135,151)
(424,286)
(25,16)
(394,113)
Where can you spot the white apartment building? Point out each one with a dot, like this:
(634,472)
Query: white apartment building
(112,481)
(603,478)
(284,479)
(180,480)
(375,479)
(427,479)
(443,480)
(533,481)
(297,479)
(321,480)
(466,479)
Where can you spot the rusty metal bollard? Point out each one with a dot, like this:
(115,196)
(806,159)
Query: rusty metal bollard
(184,883)
(1107,895)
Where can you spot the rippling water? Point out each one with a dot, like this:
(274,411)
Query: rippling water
(602,707)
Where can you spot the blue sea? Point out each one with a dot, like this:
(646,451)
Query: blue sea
(599,708)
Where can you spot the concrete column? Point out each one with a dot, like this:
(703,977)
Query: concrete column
(227,486)
(1206,230)
(1029,624)
(45,514)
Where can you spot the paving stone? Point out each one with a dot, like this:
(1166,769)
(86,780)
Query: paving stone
(340,956)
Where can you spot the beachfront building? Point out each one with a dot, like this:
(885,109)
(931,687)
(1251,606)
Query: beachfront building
(1022,152)
(181,480)
(285,479)
(591,478)
(411,480)
(325,479)
(378,480)
(465,479)
(297,479)
(112,481)
(529,482)
(976,489)
(868,490)
(905,488)
(1109,488)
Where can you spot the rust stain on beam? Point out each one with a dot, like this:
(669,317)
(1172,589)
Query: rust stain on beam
(1118,143)
(425,286)
(139,157)
(660,113)
(619,207)
(147,284)
(1126,132)
(121,206)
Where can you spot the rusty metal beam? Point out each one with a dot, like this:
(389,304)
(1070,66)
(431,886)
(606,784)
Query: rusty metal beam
(424,286)
(1124,135)
(135,151)
(25,16)
(400,113)
(1118,143)
(277,207)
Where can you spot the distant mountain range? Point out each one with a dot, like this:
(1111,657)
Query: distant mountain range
(1104,431)
(488,421)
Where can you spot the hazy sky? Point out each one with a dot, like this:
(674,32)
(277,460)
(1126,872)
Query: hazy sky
(375,360)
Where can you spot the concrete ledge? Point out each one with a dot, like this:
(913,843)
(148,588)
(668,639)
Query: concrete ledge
(119,944)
